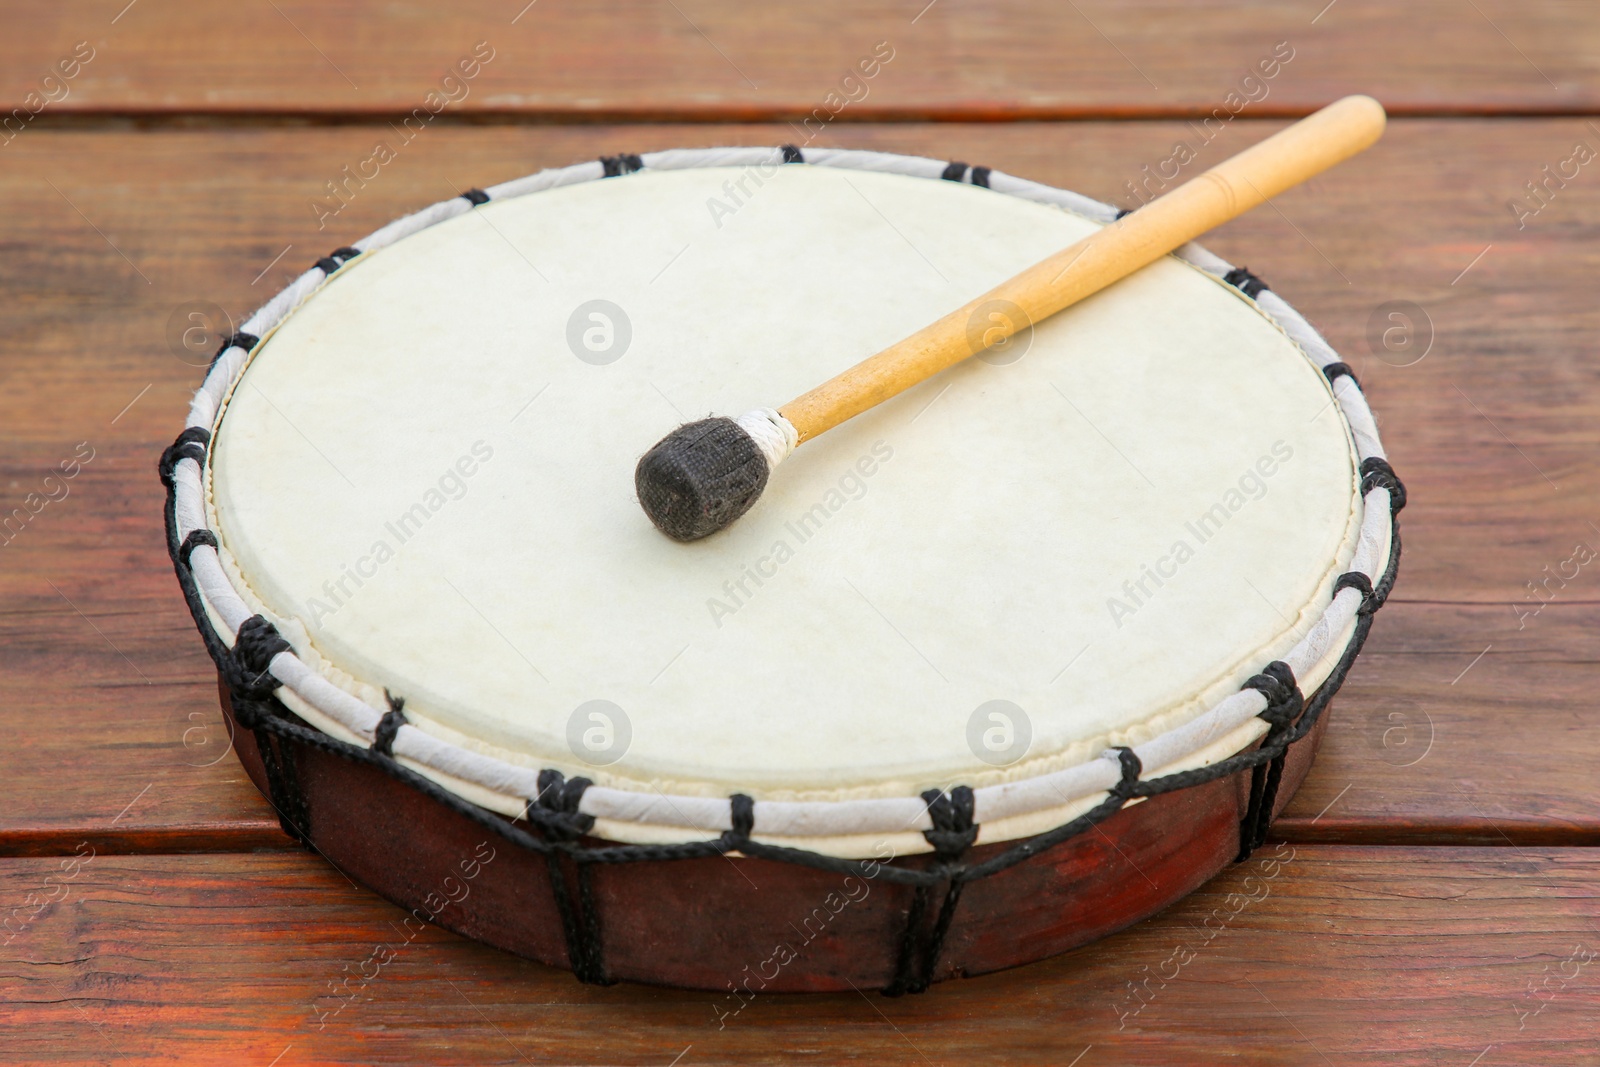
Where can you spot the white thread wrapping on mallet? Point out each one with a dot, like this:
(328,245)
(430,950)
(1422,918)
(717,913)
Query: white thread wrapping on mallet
(772,433)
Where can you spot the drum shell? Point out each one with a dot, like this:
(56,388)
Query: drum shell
(716,923)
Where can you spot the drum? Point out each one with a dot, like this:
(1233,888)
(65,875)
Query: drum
(1002,666)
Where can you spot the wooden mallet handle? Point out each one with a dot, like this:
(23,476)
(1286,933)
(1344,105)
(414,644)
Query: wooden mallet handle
(701,477)
(1226,191)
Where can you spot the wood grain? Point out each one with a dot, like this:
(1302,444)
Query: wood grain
(722,60)
(107,234)
(160,181)
(1313,955)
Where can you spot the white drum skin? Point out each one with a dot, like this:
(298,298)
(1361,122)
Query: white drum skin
(1109,533)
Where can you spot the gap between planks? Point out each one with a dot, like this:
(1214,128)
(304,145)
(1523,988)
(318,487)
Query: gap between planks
(265,836)
(186,117)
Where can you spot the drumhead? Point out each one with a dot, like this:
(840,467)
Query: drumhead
(423,478)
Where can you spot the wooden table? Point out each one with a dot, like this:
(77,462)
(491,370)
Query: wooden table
(1439,896)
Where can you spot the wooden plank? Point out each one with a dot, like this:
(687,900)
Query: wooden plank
(1308,954)
(112,237)
(721,60)
(1457,726)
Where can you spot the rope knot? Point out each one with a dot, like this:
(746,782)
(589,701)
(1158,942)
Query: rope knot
(1361,584)
(1376,472)
(190,444)
(1334,371)
(742,810)
(1247,283)
(1284,702)
(1131,766)
(243,340)
(556,806)
(953,829)
(258,641)
(389,726)
(616,166)
(194,540)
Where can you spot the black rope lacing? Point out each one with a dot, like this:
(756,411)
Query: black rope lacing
(616,166)
(1248,284)
(251,686)
(190,444)
(952,834)
(559,820)
(965,172)
(389,726)
(1284,705)
(1334,371)
(336,259)
(246,341)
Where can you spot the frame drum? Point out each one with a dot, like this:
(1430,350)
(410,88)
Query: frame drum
(997,668)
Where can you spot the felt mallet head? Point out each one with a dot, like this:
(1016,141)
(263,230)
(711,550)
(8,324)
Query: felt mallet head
(704,475)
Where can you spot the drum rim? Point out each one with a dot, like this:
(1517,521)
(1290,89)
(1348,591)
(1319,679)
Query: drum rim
(475,778)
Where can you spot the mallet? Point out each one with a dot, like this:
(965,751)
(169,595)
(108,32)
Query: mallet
(702,476)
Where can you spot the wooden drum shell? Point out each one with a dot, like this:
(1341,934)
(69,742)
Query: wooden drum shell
(716,923)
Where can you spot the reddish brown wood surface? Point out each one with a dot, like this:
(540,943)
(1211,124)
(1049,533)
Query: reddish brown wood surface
(150,185)
(729,61)
(1386,957)
(108,690)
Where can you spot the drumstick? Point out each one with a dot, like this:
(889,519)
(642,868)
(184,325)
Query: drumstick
(701,477)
